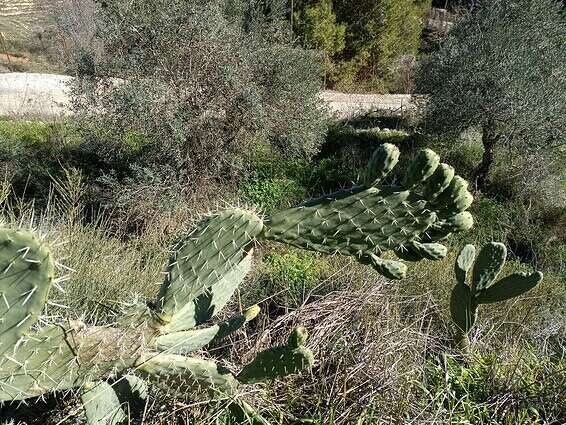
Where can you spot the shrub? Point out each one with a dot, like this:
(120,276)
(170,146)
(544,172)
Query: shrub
(194,82)
(31,153)
(501,69)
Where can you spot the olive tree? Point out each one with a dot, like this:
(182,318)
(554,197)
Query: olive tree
(502,70)
(187,85)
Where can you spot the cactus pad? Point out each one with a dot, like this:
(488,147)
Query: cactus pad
(279,361)
(212,253)
(464,262)
(510,287)
(183,375)
(101,404)
(41,362)
(186,342)
(26,273)
(366,221)
(488,264)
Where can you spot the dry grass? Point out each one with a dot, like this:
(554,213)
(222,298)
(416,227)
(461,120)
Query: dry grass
(383,349)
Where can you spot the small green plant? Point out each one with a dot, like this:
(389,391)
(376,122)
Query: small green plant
(488,389)
(293,274)
(483,289)
(272,194)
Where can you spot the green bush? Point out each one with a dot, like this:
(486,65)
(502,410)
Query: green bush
(176,110)
(273,194)
(275,181)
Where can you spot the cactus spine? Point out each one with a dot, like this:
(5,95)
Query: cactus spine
(484,289)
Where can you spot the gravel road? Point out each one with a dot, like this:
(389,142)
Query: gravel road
(45,96)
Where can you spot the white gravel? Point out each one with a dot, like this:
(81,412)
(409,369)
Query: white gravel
(45,96)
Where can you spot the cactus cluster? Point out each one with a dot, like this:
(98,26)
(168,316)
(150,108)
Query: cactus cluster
(205,268)
(369,220)
(483,288)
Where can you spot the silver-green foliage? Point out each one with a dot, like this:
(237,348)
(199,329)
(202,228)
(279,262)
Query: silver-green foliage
(501,70)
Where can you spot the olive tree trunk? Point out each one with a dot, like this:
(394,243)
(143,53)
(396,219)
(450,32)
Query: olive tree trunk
(481,172)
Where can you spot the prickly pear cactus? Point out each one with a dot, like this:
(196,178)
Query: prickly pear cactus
(369,220)
(484,287)
(26,275)
(205,269)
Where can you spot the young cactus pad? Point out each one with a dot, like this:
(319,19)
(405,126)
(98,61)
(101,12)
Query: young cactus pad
(368,220)
(484,287)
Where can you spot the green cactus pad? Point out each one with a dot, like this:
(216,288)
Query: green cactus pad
(489,263)
(298,337)
(465,301)
(381,163)
(464,262)
(26,273)
(353,222)
(101,404)
(185,342)
(279,361)
(184,375)
(391,269)
(454,199)
(41,362)
(211,301)
(462,307)
(214,250)
(438,182)
(366,220)
(509,287)
(457,223)
(417,251)
(430,251)
(423,166)
(407,253)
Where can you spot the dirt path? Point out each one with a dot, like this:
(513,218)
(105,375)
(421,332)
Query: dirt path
(37,96)
(45,96)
